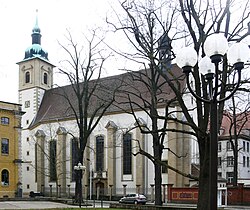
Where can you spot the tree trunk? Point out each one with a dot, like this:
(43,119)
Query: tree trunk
(77,188)
(235,171)
(203,189)
(203,199)
(158,181)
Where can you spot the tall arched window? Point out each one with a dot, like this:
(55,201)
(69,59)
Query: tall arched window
(99,153)
(52,160)
(127,154)
(5,177)
(45,78)
(27,77)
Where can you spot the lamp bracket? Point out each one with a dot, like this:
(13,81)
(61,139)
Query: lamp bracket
(216,58)
(209,76)
(239,66)
(187,69)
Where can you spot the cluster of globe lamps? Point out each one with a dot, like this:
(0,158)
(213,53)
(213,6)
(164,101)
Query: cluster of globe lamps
(215,48)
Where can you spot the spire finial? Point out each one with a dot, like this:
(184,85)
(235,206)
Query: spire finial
(36,25)
(36,28)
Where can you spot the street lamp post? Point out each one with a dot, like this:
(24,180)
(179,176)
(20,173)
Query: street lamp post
(215,47)
(80,169)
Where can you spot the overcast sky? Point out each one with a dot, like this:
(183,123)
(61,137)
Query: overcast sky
(17,19)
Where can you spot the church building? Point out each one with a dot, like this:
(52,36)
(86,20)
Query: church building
(49,139)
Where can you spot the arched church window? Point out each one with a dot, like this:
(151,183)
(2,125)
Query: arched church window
(52,161)
(45,78)
(5,177)
(99,153)
(127,153)
(27,77)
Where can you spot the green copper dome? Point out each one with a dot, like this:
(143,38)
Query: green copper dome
(35,51)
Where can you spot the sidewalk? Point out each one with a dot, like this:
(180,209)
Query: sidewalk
(219,208)
(13,205)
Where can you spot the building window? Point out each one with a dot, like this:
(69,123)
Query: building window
(74,157)
(5,177)
(164,168)
(27,139)
(230,161)
(27,77)
(248,162)
(219,161)
(247,146)
(230,176)
(45,78)
(99,153)
(52,160)
(5,146)
(244,146)
(219,147)
(27,122)
(5,121)
(28,153)
(28,186)
(28,168)
(127,154)
(244,161)
(229,146)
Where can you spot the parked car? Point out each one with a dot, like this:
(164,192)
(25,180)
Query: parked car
(134,199)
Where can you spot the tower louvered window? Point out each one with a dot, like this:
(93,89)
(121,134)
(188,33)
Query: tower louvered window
(45,78)
(27,77)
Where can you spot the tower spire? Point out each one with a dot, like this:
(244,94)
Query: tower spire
(36,50)
(36,32)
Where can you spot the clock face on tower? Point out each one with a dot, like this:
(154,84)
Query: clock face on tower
(27,104)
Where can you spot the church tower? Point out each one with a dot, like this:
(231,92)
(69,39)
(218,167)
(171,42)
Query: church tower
(35,77)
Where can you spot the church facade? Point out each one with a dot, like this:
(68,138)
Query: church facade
(49,140)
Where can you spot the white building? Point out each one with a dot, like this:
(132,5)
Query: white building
(49,138)
(225,149)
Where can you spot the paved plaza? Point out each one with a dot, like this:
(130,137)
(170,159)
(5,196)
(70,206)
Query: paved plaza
(25,205)
(43,205)
(32,205)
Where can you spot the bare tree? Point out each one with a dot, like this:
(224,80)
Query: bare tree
(50,157)
(148,92)
(235,121)
(87,96)
(144,25)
